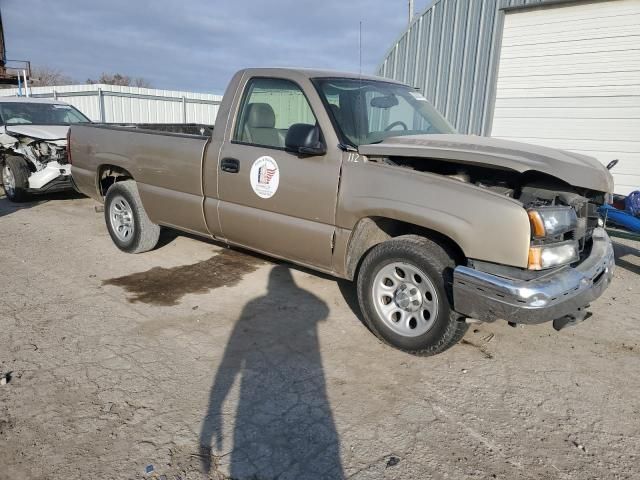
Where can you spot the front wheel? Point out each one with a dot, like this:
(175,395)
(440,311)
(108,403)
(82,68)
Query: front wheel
(404,291)
(129,225)
(15,178)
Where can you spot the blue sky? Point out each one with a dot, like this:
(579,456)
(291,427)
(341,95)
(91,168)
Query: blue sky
(197,44)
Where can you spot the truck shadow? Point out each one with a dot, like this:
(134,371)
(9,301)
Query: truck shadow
(346,287)
(283,425)
(7,207)
(622,250)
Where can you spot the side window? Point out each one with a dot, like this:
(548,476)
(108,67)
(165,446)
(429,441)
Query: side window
(269,107)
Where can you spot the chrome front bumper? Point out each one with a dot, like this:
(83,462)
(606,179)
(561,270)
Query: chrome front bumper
(562,293)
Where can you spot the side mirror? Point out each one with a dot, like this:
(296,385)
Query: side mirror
(304,139)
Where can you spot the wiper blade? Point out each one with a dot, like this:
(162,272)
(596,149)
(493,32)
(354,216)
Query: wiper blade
(347,148)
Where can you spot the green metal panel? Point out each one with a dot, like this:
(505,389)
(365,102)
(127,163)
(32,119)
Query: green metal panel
(450,52)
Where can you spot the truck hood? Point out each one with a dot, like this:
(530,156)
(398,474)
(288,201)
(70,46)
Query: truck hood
(575,169)
(42,132)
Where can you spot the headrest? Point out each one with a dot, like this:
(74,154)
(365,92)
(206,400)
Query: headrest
(260,115)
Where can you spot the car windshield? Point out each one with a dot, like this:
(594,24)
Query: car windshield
(22,113)
(368,111)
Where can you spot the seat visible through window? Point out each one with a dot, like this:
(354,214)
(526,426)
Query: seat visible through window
(260,126)
(269,108)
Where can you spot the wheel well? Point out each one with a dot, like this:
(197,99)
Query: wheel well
(371,231)
(27,162)
(110,174)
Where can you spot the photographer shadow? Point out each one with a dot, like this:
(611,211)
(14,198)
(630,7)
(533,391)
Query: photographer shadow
(283,426)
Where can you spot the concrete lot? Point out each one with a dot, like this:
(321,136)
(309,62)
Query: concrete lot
(120,362)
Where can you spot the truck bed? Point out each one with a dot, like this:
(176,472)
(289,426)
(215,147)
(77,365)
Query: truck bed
(166,165)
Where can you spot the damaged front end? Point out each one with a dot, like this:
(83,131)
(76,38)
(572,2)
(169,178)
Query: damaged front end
(560,295)
(44,158)
(570,258)
(570,264)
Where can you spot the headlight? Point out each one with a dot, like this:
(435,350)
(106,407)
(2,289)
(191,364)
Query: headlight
(551,221)
(552,255)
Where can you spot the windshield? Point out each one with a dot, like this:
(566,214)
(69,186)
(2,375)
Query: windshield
(368,111)
(22,113)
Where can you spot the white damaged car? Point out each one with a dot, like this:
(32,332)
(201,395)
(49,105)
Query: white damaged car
(33,145)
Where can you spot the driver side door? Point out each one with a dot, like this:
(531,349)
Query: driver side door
(272,200)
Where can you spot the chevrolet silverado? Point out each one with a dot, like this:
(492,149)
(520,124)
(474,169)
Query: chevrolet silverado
(361,178)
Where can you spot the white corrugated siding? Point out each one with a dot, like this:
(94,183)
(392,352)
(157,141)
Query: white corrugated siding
(133,104)
(569,77)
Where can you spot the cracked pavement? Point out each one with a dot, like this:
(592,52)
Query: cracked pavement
(206,362)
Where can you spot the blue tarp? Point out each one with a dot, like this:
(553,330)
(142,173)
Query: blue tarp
(621,218)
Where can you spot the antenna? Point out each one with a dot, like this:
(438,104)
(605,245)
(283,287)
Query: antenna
(360,46)
(359,104)
(411,10)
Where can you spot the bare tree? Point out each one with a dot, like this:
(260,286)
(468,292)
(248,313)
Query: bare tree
(44,76)
(119,79)
(141,82)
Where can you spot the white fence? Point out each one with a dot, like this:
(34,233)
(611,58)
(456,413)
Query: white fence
(116,104)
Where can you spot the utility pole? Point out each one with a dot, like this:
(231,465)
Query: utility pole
(3,55)
(10,75)
(411,10)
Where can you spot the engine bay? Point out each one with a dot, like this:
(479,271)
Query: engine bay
(41,152)
(45,159)
(532,189)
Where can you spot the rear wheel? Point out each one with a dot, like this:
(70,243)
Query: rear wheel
(129,225)
(15,178)
(404,291)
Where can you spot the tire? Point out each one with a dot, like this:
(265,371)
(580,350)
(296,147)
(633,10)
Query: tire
(414,313)
(129,225)
(15,178)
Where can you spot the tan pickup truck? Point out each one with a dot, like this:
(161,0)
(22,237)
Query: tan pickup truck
(360,177)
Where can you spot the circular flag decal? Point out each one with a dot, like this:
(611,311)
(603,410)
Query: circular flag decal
(265,177)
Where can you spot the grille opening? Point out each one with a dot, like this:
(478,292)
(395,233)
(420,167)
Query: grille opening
(598,277)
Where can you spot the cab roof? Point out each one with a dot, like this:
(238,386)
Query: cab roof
(288,72)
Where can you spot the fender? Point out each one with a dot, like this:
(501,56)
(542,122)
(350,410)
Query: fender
(484,225)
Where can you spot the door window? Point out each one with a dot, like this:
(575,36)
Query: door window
(270,106)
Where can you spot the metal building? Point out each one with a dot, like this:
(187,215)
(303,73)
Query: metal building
(560,73)
(119,104)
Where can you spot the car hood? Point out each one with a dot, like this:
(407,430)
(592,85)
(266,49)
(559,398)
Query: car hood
(575,169)
(42,132)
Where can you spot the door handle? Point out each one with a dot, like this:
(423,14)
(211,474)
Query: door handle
(230,165)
